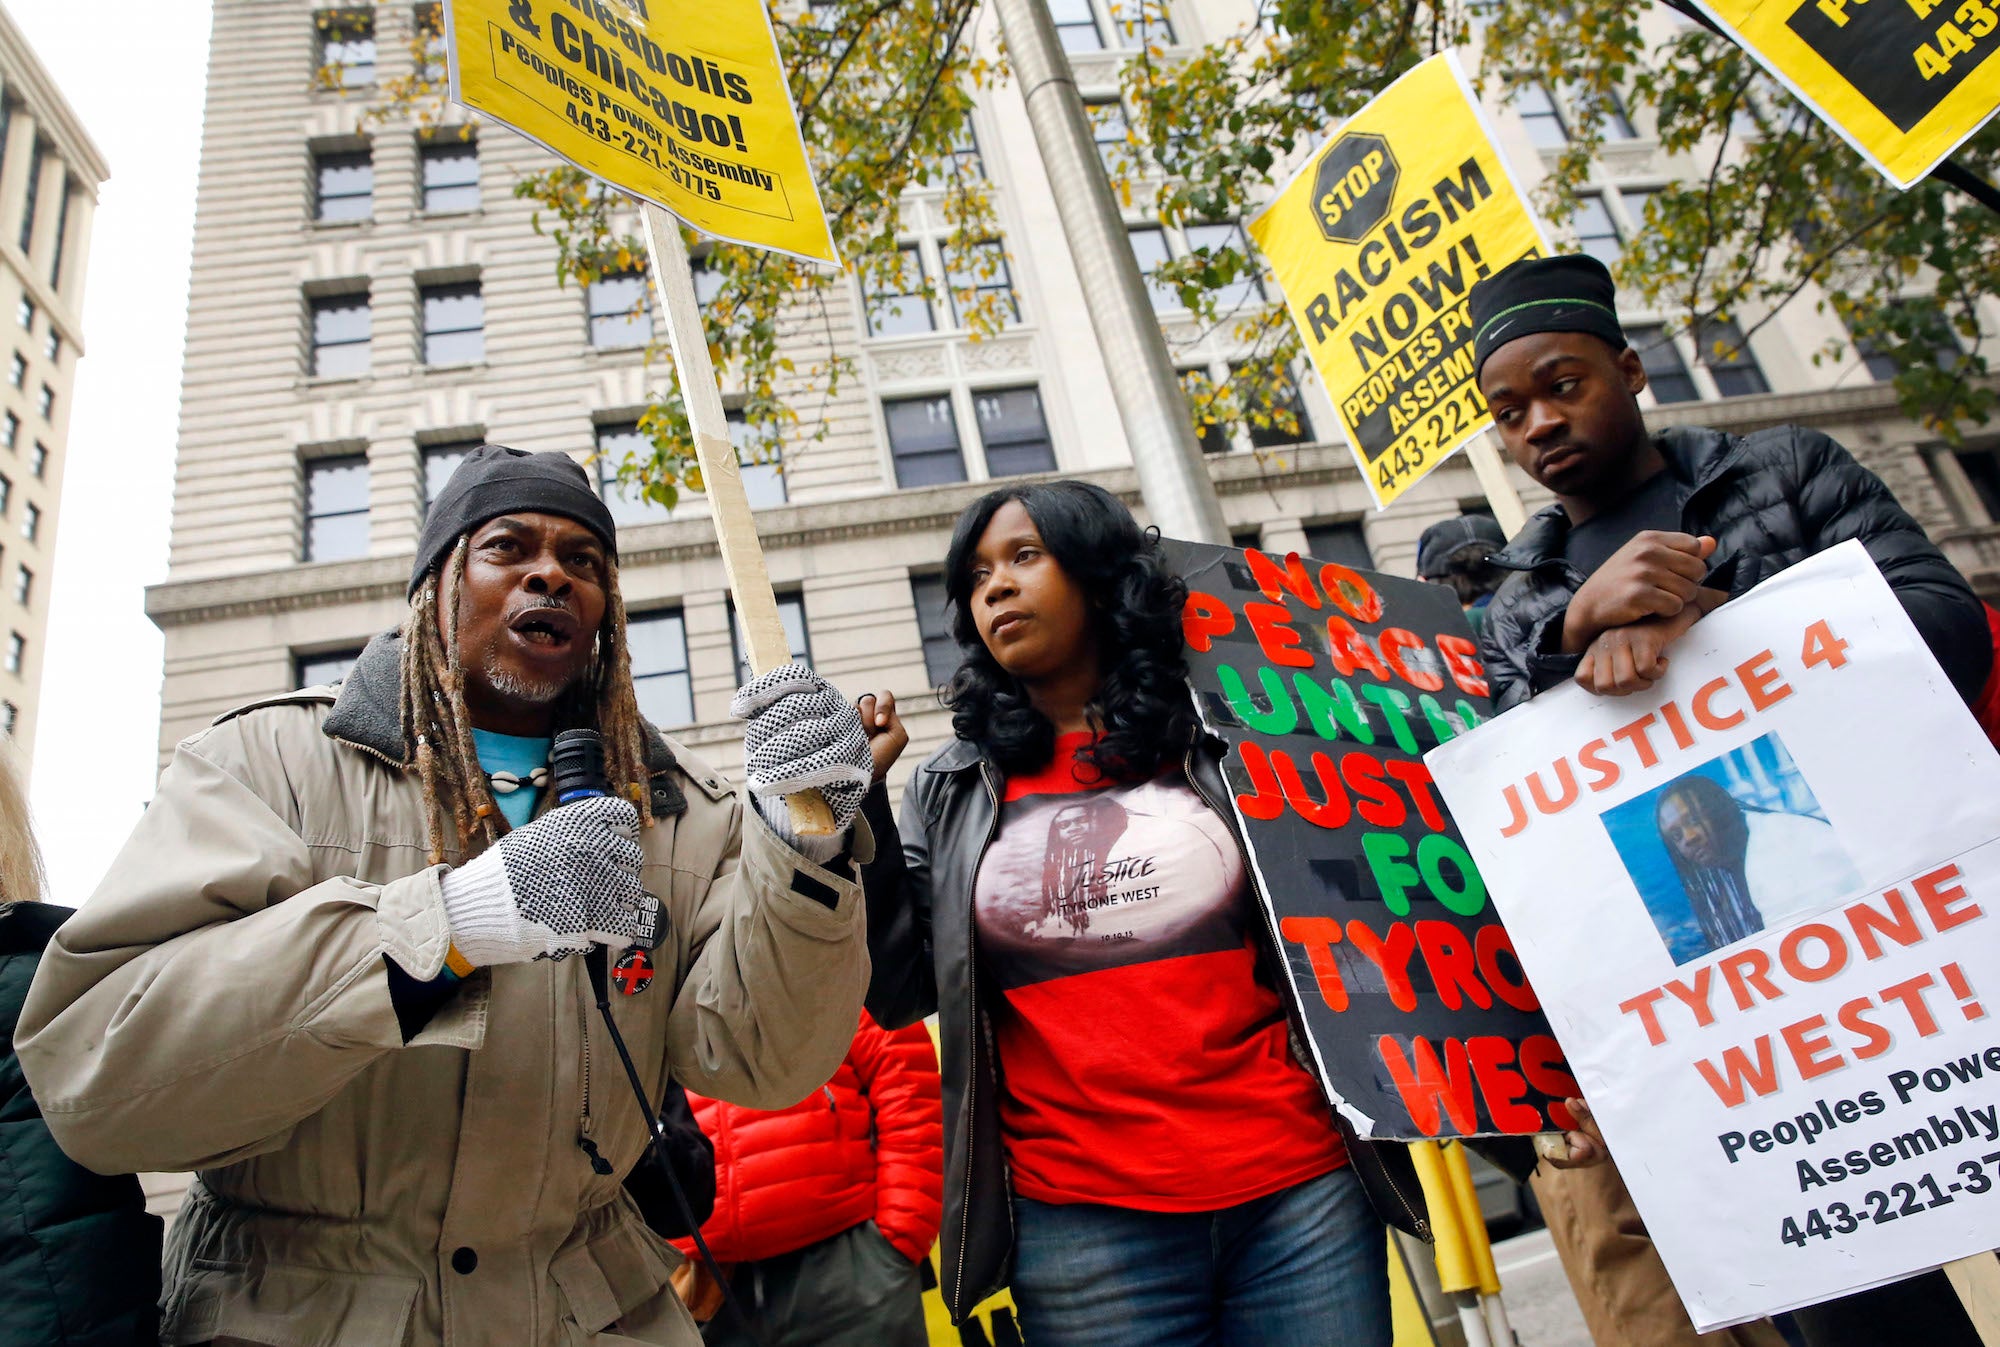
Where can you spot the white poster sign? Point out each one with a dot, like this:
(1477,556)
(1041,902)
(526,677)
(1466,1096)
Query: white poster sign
(1761,906)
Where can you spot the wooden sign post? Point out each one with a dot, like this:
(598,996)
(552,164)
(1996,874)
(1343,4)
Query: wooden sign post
(1508,511)
(722,478)
(1977,1281)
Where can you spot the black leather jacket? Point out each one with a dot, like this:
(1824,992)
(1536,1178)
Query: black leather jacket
(1769,499)
(920,937)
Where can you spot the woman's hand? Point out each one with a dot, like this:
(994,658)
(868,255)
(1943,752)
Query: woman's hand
(887,735)
(1581,1148)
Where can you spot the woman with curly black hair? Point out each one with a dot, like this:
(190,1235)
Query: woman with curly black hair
(1125,1119)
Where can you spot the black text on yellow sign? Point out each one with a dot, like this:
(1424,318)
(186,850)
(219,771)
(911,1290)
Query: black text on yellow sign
(1903,80)
(679,102)
(1377,243)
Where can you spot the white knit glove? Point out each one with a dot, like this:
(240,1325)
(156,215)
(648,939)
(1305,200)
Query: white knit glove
(803,735)
(553,887)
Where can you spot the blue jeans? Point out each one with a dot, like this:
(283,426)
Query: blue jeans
(1304,1267)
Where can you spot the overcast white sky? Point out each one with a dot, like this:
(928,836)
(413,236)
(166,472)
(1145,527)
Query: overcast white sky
(134,71)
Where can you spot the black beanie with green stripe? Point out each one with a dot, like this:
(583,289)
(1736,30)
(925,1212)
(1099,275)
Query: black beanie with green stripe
(1571,292)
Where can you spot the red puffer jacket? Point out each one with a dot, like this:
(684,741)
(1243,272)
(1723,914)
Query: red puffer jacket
(866,1146)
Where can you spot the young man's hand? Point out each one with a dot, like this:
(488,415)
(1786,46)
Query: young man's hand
(1653,575)
(887,735)
(1632,658)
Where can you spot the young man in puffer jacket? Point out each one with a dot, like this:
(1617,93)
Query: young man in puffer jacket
(1649,533)
(823,1211)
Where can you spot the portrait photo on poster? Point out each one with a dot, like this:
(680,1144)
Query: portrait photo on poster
(1730,848)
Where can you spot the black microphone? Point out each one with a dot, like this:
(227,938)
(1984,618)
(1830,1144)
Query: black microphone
(576,764)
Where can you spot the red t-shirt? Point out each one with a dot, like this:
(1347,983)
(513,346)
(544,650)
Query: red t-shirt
(1142,1063)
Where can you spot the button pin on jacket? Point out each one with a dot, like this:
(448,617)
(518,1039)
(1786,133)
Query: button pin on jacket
(633,972)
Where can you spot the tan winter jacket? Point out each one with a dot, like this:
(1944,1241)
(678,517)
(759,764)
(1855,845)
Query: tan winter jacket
(221,1004)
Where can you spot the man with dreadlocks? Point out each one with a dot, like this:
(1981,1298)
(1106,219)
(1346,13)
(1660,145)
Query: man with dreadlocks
(329,970)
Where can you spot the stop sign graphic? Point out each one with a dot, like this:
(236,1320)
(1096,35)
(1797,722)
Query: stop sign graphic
(1354,188)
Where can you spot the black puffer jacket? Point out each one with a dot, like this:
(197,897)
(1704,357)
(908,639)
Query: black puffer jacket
(920,938)
(79,1256)
(1769,499)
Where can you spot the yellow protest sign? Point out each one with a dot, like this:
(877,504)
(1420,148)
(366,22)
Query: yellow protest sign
(1377,241)
(687,108)
(1904,81)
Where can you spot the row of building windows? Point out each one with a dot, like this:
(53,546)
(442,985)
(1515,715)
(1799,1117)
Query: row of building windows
(52,343)
(31,513)
(617,316)
(926,449)
(1100,25)
(618,312)
(1604,224)
(17,368)
(1217,437)
(17,377)
(341,329)
(24,578)
(924,446)
(1549,123)
(344,178)
(898,308)
(26,314)
(346,56)
(10,438)
(337,487)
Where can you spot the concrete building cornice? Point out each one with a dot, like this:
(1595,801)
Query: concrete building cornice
(23,70)
(1745,414)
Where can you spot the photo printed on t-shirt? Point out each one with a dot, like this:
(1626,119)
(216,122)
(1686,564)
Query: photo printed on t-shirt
(1078,882)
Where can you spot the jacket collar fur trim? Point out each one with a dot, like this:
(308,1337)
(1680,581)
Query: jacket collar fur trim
(367,706)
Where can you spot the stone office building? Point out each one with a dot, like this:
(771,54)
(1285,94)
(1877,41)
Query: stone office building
(49,176)
(368,301)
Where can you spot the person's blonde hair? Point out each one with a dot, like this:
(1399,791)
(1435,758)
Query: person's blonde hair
(20,858)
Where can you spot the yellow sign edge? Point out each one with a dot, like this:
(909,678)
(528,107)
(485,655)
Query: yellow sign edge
(831,259)
(1881,165)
